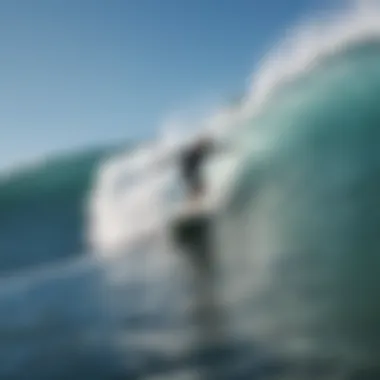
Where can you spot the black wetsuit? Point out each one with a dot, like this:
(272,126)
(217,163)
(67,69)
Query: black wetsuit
(191,165)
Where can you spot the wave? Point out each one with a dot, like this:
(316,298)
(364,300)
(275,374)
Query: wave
(303,215)
(45,205)
(54,176)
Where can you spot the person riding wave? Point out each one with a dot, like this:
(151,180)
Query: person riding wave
(191,164)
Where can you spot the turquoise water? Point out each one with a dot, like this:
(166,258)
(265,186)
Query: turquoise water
(45,205)
(304,215)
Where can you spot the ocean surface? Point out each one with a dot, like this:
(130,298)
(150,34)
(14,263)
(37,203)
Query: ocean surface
(92,287)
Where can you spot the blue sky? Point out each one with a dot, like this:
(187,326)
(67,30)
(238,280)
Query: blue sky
(84,72)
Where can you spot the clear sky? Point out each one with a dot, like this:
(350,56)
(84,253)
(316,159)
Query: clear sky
(83,72)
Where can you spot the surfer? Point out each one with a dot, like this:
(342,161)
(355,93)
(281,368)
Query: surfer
(191,164)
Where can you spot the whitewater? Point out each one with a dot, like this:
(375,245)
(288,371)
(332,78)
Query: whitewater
(297,235)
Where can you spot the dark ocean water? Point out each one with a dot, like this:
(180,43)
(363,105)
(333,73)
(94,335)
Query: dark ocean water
(42,210)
